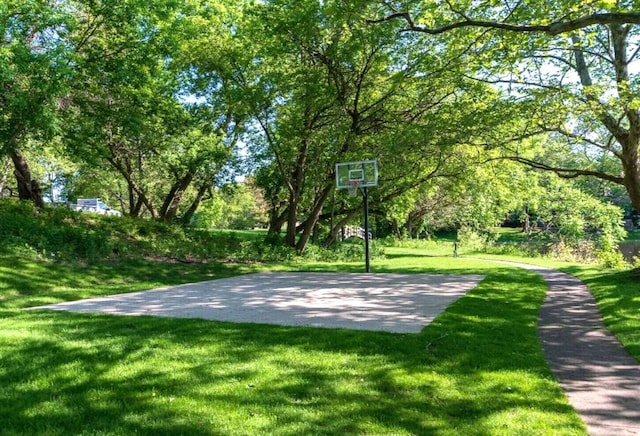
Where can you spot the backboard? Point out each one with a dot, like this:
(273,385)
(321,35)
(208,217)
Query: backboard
(364,173)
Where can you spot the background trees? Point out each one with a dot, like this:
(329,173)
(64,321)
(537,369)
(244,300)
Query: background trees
(333,88)
(35,64)
(570,67)
(128,110)
(155,105)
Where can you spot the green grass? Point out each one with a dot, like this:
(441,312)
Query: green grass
(477,369)
(509,234)
(246,235)
(633,235)
(27,282)
(617,292)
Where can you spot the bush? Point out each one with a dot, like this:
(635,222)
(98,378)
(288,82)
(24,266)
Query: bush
(474,240)
(63,234)
(67,235)
(346,251)
(50,233)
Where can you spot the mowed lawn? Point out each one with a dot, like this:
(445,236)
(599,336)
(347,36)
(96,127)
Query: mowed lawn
(476,370)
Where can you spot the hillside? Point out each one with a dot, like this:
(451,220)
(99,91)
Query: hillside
(69,236)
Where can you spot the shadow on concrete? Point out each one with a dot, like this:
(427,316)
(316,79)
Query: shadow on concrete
(402,303)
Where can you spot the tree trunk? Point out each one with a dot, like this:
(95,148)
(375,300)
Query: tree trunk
(526,222)
(631,167)
(311,221)
(186,218)
(28,188)
(135,207)
(127,172)
(295,192)
(276,221)
(628,138)
(169,209)
(292,220)
(333,234)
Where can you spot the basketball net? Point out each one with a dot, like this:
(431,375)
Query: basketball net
(353,187)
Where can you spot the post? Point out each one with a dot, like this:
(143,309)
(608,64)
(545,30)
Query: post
(365,194)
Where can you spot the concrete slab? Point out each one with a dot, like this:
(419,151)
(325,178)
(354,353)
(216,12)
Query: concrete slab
(402,303)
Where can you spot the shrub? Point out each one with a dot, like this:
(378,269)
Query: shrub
(51,232)
(474,240)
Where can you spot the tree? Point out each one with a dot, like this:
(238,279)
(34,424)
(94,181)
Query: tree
(129,110)
(567,65)
(337,89)
(234,206)
(479,197)
(35,63)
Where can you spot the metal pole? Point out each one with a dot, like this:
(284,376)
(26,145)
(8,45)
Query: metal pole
(365,194)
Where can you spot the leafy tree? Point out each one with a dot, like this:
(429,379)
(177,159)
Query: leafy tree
(568,65)
(129,109)
(479,198)
(578,224)
(35,63)
(337,89)
(235,206)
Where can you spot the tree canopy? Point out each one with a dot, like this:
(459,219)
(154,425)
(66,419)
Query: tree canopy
(571,67)
(155,105)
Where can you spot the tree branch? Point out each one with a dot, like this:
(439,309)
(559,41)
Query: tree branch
(554,28)
(566,173)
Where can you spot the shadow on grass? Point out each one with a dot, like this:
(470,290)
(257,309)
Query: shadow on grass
(477,369)
(28,283)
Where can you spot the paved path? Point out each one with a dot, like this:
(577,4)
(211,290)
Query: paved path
(600,378)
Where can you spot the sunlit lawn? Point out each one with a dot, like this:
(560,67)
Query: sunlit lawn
(478,369)
(617,293)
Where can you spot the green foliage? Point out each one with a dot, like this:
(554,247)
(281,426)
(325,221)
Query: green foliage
(580,225)
(351,250)
(133,111)
(50,233)
(234,206)
(65,235)
(564,221)
(162,92)
(473,240)
(34,68)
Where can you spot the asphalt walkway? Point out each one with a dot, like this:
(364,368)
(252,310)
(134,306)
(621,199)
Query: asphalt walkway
(601,379)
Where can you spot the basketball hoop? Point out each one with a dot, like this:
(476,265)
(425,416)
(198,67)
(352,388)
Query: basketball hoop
(361,174)
(353,187)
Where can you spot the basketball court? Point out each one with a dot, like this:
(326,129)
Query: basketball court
(402,303)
